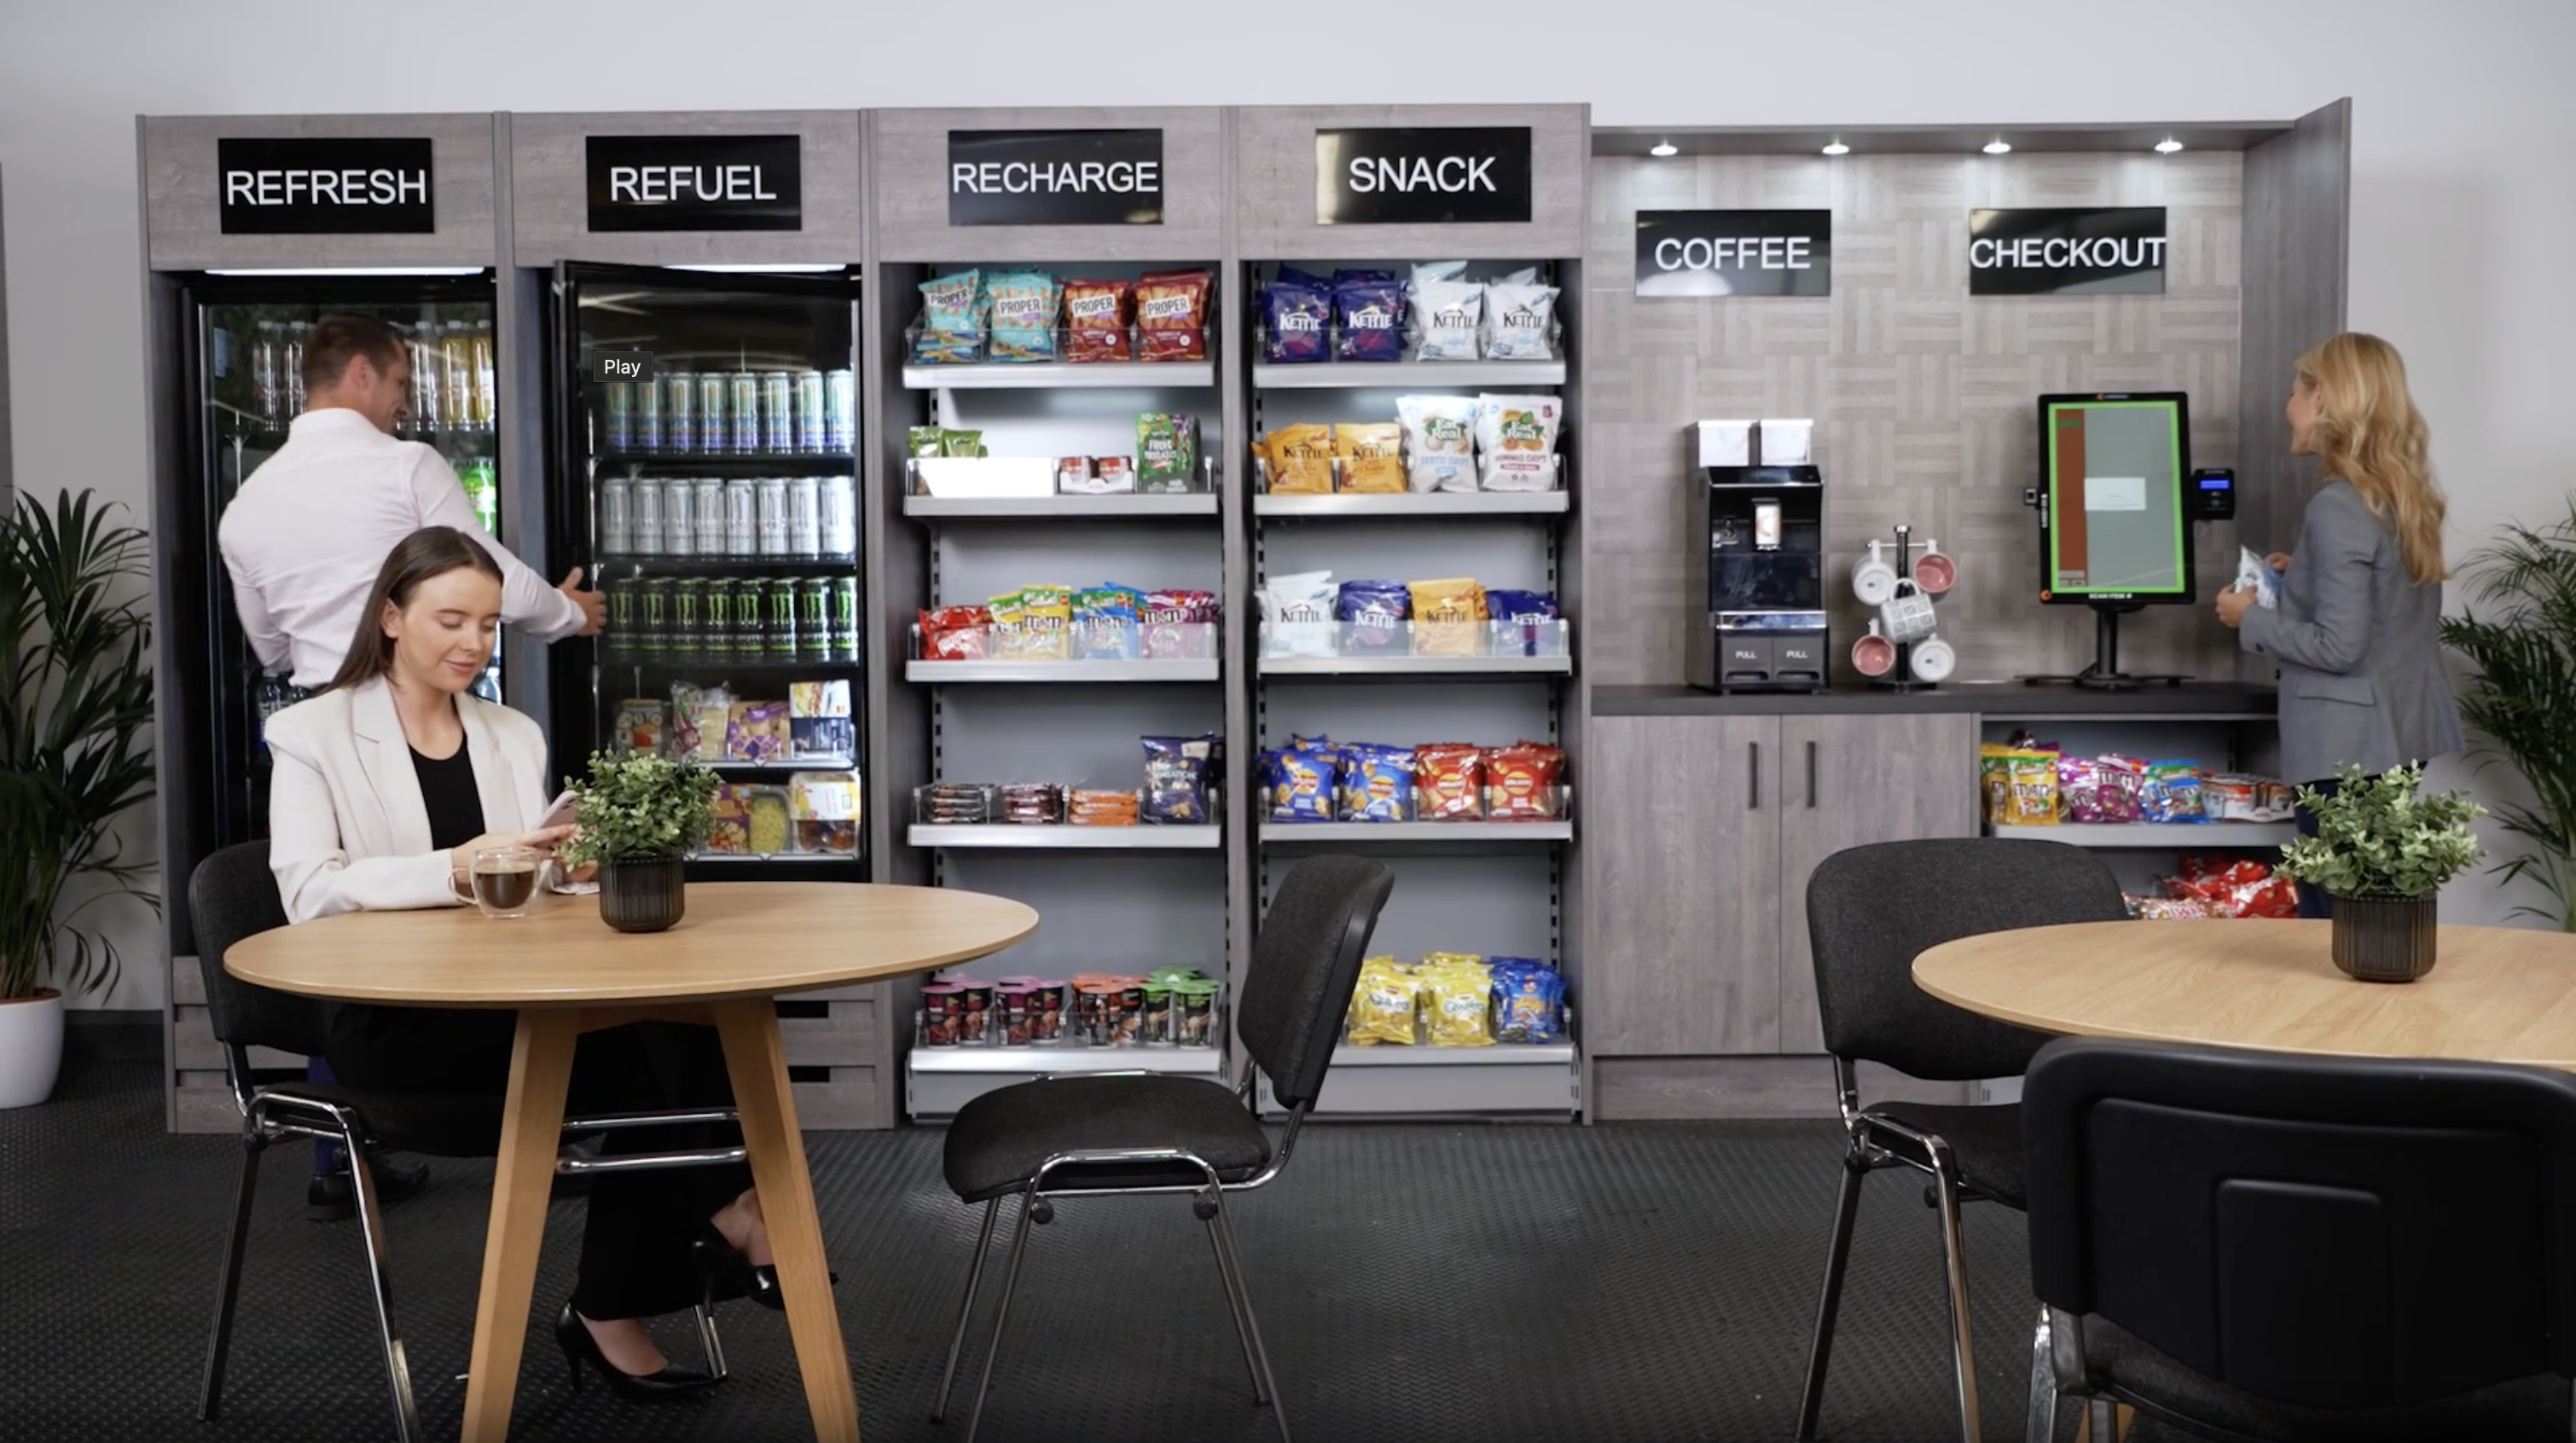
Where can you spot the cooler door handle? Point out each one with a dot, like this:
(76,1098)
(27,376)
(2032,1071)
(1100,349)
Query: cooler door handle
(1811,776)
(1753,775)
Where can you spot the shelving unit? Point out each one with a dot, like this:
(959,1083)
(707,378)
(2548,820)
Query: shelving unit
(1403,666)
(2158,836)
(1461,835)
(941,1080)
(1429,504)
(1010,837)
(1532,1080)
(1059,673)
(1408,375)
(1059,376)
(1201,505)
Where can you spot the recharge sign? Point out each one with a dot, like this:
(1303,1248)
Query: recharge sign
(2117,250)
(324,187)
(1444,176)
(1055,177)
(1735,253)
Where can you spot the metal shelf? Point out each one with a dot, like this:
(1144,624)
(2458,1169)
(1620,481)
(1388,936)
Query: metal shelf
(1060,673)
(1064,508)
(734,463)
(747,859)
(1272,376)
(1414,503)
(1047,375)
(1142,838)
(1525,1054)
(1055,1057)
(702,661)
(1416,665)
(2158,836)
(787,764)
(1468,833)
(695,564)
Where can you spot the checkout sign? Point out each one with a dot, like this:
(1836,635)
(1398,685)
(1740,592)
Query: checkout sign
(1735,253)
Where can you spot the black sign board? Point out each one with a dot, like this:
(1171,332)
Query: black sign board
(1445,176)
(2118,250)
(1055,177)
(1735,253)
(314,186)
(696,182)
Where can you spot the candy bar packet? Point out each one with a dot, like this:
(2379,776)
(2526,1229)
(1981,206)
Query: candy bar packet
(1171,316)
(1372,454)
(1105,624)
(1444,313)
(1049,614)
(1095,316)
(954,633)
(1439,438)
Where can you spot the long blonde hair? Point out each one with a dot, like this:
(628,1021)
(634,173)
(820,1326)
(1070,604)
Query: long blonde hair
(2369,433)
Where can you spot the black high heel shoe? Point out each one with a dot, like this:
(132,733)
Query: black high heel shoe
(719,1263)
(580,1347)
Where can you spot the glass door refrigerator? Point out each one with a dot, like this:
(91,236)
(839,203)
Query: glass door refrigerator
(718,504)
(242,385)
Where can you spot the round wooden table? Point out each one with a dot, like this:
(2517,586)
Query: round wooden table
(566,973)
(2496,994)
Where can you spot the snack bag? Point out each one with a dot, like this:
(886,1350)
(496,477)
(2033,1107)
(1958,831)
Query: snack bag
(1095,315)
(2034,788)
(757,731)
(825,809)
(1178,624)
(1519,319)
(961,443)
(1994,780)
(1458,1004)
(1301,459)
(1047,612)
(955,633)
(2251,570)
(1023,308)
(1304,783)
(1448,618)
(1296,313)
(1176,780)
(1297,614)
(953,303)
(1440,442)
(1445,312)
(2171,793)
(1381,1005)
(1529,1000)
(1105,626)
(1371,615)
(1524,622)
(1167,452)
(1521,782)
(1449,782)
(1171,316)
(1372,455)
(1006,629)
(1370,309)
(1376,784)
(1517,435)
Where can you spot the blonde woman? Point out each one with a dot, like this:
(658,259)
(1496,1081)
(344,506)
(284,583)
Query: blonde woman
(2357,633)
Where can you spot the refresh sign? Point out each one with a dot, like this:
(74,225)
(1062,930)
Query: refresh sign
(1735,253)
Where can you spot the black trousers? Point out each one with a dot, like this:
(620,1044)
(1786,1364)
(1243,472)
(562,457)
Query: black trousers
(635,1241)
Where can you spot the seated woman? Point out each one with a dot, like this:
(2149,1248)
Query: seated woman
(385,785)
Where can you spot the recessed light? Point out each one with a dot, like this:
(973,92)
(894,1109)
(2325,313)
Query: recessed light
(1837,148)
(1998,147)
(1663,148)
(2168,146)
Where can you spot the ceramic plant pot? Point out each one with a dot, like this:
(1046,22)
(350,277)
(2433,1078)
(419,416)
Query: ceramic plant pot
(31,1047)
(643,895)
(2384,937)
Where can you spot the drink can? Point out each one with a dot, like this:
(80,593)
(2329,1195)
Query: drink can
(742,517)
(716,626)
(679,527)
(840,516)
(814,618)
(679,410)
(845,617)
(648,415)
(689,614)
(616,416)
(809,412)
(840,411)
(805,516)
(778,624)
(742,401)
(750,615)
(617,515)
(713,435)
(707,515)
(623,623)
(778,412)
(653,620)
(647,516)
(774,527)
(486,405)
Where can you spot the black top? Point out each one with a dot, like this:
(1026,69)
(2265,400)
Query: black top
(455,806)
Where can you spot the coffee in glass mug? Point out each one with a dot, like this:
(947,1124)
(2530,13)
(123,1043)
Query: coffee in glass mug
(505,880)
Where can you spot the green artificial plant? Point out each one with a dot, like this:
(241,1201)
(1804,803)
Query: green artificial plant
(2522,705)
(75,734)
(2377,838)
(639,807)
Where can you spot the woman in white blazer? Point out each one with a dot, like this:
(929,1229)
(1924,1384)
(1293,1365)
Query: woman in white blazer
(385,785)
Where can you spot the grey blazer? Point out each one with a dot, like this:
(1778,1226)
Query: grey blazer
(2358,643)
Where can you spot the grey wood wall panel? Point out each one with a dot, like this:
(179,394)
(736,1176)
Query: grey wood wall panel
(2298,207)
(1275,165)
(184,230)
(549,188)
(911,169)
(1924,400)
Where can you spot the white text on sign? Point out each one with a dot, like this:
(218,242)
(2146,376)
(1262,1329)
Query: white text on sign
(663,184)
(325,187)
(1085,177)
(1717,253)
(1450,173)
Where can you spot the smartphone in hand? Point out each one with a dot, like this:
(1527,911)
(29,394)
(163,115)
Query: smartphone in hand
(560,813)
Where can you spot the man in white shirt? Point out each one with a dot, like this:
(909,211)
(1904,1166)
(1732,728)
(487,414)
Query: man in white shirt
(309,529)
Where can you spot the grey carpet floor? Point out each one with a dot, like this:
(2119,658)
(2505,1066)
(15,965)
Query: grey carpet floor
(1626,1283)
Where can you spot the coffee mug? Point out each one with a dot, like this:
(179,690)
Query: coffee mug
(1907,615)
(1873,655)
(1934,571)
(505,880)
(1874,581)
(1933,661)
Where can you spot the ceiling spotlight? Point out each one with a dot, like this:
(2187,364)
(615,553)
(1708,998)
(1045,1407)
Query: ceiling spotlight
(2168,146)
(1663,148)
(1998,147)
(1837,148)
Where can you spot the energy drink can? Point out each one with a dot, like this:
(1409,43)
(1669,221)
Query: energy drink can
(688,615)
(778,621)
(617,515)
(778,412)
(805,516)
(679,410)
(718,636)
(742,517)
(845,617)
(840,516)
(623,625)
(774,527)
(647,517)
(714,436)
(679,525)
(653,622)
(814,619)
(648,415)
(840,411)
(617,416)
(707,515)
(742,400)
(750,616)
(810,437)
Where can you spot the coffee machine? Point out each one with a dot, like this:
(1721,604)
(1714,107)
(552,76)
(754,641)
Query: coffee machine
(1754,556)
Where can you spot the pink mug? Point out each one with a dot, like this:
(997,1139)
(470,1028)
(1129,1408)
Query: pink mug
(1934,571)
(1873,654)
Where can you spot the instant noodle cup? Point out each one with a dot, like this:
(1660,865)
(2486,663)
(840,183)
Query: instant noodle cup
(1017,1006)
(1194,1012)
(974,1011)
(942,1003)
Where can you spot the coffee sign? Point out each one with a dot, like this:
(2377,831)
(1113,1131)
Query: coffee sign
(1735,253)
(2117,250)
(1444,176)
(1055,177)
(696,182)
(309,186)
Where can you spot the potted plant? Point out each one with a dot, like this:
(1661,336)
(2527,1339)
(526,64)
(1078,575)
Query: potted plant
(641,814)
(75,754)
(2522,705)
(2382,852)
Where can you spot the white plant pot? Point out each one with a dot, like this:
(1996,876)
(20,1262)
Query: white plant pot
(31,1048)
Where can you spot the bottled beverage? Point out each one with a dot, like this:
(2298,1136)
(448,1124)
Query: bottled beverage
(425,367)
(742,402)
(271,698)
(679,410)
(774,528)
(845,617)
(679,523)
(483,489)
(778,626)
(486,398)
(805,517)
(648,516)
(778,412)
(456,378)
(290,372)
(617,416)
(809,413)
(840,516)
(707,515)
(266,353)
(647,409)
(840,411)
(714,436)
(742,517)
(617,515)
(814,619)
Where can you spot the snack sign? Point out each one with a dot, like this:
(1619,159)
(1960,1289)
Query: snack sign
(1422,176)
(1055,177)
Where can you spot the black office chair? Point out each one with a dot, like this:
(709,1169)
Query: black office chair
(232,895)
(1141,1133)
(2261,1246)
(1870,911)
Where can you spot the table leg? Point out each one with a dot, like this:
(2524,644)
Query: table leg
(531,1132)
(758,1067)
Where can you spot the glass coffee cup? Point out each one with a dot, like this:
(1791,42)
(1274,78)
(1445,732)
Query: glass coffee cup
(505,879)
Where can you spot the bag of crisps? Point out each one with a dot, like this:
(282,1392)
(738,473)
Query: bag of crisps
(1382,1005)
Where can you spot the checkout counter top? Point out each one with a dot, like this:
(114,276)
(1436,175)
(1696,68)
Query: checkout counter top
(2226,700)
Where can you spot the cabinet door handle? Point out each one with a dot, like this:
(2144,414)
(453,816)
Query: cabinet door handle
(1753,775)
(1811,776)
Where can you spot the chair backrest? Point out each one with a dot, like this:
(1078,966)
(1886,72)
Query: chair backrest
(2319,1231)
(1872,910)
(1304,965)
(232,895)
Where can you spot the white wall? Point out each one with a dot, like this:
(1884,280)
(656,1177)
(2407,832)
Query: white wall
(2464,194)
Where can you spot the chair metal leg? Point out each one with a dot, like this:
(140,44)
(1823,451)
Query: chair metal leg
(2102,1420)
(228,1284)
(371,1218)
(2042,1427)
(1002,1311)
(1232,1251)
(711,1341)
(1945,1176)
(1234,1306)
(1837,1258)
(966,1309)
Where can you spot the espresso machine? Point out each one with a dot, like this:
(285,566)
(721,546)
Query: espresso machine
(1755,558)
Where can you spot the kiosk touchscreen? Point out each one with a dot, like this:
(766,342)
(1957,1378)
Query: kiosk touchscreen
(2114,513)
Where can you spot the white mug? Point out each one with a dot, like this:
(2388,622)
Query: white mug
(1933,660)
(1907,615)
(1934,571)
(1874,581)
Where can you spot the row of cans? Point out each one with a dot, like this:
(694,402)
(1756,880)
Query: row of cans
(731,413)
(778,618)
(787,516)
